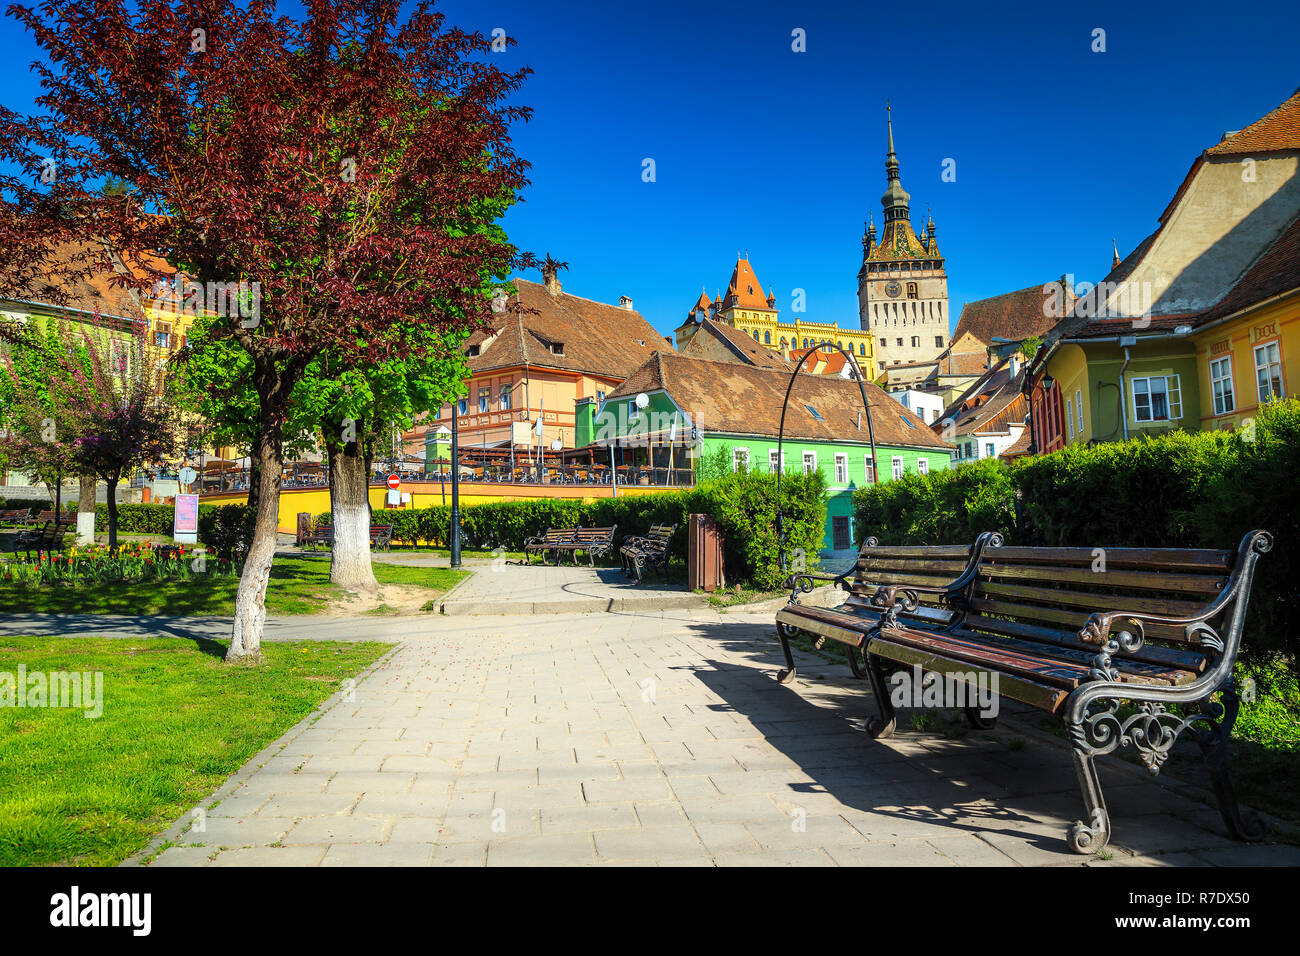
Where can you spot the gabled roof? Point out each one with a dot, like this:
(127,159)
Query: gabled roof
(1275,272)
(825,362)
(744,348)
(592,337)
(732,398)
(1277,130)
(745,287)
(1015,315)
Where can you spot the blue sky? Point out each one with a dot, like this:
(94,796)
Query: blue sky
(781,154)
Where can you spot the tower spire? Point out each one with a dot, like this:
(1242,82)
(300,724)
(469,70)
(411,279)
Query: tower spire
(895,200)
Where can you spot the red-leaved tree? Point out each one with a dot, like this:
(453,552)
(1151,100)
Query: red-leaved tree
(322,181)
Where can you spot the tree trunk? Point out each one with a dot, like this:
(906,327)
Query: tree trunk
(254,482)
(112,515)
(86,506)
(350,511)
(250,599)
(274,384)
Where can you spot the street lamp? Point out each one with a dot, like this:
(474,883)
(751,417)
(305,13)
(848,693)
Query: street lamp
(453,534)
(780,438)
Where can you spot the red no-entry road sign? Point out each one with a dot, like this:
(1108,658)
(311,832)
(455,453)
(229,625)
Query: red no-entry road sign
(394,482)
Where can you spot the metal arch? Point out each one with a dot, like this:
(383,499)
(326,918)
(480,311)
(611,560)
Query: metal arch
(780,438)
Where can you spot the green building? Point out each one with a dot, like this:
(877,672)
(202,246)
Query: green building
(676,410)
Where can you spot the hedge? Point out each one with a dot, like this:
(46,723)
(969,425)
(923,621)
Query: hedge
(1177,490)
(744,505)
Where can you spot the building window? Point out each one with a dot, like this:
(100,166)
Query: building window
(1221,385)
(840,533)
(1157,399)
(862,348)
(989,452)
(773,461)
(462,406)
(1069,418)
(841,469)
(900,343)
(938,341)
(484,399)
(869,469)
(1268,371)
(916,341)
(756,335)
(600,400)
(912,292)
(809,462)
(897,464)
(767,338)
(740,459)
(923,466)
(1078,410)
(162,336)
(883,343)
(505,398)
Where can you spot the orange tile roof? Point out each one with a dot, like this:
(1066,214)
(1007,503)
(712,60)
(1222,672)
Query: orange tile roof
(736,343)
(746,288)
(1013,315)
(601,339)
(78,276)
(1278,130)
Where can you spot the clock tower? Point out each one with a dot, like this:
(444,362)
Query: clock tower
(902,285)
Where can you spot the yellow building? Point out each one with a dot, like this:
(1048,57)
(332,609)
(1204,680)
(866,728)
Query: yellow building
(746,308)
(1248,346)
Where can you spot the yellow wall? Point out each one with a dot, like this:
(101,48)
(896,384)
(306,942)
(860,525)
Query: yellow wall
(770,332)
(424,494)
(1277,322)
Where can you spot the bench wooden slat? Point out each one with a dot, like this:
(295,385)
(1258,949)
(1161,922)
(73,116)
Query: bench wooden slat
(1137,580)
(1091,600)
(1174,657)
(1185,559)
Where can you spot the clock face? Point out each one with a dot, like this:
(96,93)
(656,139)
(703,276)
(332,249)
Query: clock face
(892,289)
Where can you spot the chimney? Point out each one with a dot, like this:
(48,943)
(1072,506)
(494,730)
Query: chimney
(623,301)
(1013,364)
(550,280)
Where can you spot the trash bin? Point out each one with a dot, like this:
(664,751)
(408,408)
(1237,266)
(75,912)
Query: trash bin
(704,554)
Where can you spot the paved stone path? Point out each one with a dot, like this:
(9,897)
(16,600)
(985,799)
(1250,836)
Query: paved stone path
(511,588)
(658,739)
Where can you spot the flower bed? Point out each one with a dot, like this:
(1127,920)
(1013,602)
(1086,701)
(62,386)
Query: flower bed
(135,562)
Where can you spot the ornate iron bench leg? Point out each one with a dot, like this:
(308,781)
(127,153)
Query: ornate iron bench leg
(857,661)
(978,721)
(783,633)
(1092,836)
(882,725)
(1214,740)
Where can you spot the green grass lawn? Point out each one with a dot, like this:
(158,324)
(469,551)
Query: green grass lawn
(176,722)
(299,585)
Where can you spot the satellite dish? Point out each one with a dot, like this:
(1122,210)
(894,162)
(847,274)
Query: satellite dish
(642,400)
(557,445)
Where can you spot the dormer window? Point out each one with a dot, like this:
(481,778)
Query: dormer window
(557,348)
(473,350)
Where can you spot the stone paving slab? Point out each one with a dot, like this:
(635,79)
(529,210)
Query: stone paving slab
(661,739)
(510,588)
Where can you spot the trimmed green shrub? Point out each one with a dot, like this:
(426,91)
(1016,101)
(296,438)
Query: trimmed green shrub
(227,529)
(137,519)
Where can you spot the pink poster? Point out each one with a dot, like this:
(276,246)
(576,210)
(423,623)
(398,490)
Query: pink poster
(187,514)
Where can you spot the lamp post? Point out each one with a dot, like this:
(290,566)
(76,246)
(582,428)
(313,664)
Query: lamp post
(780,438)
(453,534)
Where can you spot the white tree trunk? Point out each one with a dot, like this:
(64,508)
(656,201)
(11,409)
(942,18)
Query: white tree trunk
(86,512)
(350,511)
(250,599)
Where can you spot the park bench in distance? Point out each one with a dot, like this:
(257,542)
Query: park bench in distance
(553,540)
(15,516)
(597,542)
(381,535)
(648,551)
(1079,633)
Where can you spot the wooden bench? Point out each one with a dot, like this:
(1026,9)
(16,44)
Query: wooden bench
(321,534)
(1106,639)
(647,551)
(597,542)
(876,566)
(553,540)
(48,537)
(381,536)
(15,516)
